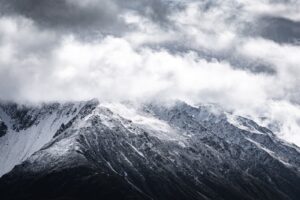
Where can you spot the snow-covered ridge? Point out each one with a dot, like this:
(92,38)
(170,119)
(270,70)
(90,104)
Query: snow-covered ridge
(153,125)
(29,129)
(148,143)
(33,128)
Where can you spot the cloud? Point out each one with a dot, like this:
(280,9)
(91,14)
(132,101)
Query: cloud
(80,17)
(288,9)
(87,18)
(230,52)
(278,29)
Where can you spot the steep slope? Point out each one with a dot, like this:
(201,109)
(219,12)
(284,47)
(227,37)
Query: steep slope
(155,151)
(25,129)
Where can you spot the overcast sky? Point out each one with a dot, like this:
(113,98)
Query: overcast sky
(241,54)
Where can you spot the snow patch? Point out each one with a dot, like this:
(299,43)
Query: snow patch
(154,126)
(234,120)
(271,153)
(17,146)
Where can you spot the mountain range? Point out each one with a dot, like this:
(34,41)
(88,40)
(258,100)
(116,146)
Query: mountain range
(97,150)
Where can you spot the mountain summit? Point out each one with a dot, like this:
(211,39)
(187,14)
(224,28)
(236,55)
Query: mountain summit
(92,150)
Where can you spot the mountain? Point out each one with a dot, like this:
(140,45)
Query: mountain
(94,150)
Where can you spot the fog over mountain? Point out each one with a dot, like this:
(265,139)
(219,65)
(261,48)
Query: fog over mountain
(240,54)
(150,99)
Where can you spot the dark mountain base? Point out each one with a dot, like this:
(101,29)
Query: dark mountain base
(71,184)
(84,183)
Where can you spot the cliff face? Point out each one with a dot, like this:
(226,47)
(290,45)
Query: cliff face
(92,150)
(3,128)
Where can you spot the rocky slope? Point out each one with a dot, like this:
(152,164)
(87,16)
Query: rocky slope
(92,150)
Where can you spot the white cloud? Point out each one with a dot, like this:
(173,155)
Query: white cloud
(40,64)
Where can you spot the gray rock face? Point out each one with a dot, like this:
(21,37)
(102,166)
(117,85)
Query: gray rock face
(157,151)
(3,128)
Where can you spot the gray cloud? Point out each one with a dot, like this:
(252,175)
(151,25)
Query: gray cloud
(278,29)
(77,16)
(86,18)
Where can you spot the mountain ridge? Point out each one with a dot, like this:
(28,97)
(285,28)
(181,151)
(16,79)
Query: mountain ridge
(152,151)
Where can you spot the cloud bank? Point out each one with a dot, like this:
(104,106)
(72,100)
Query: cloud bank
(243,55)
